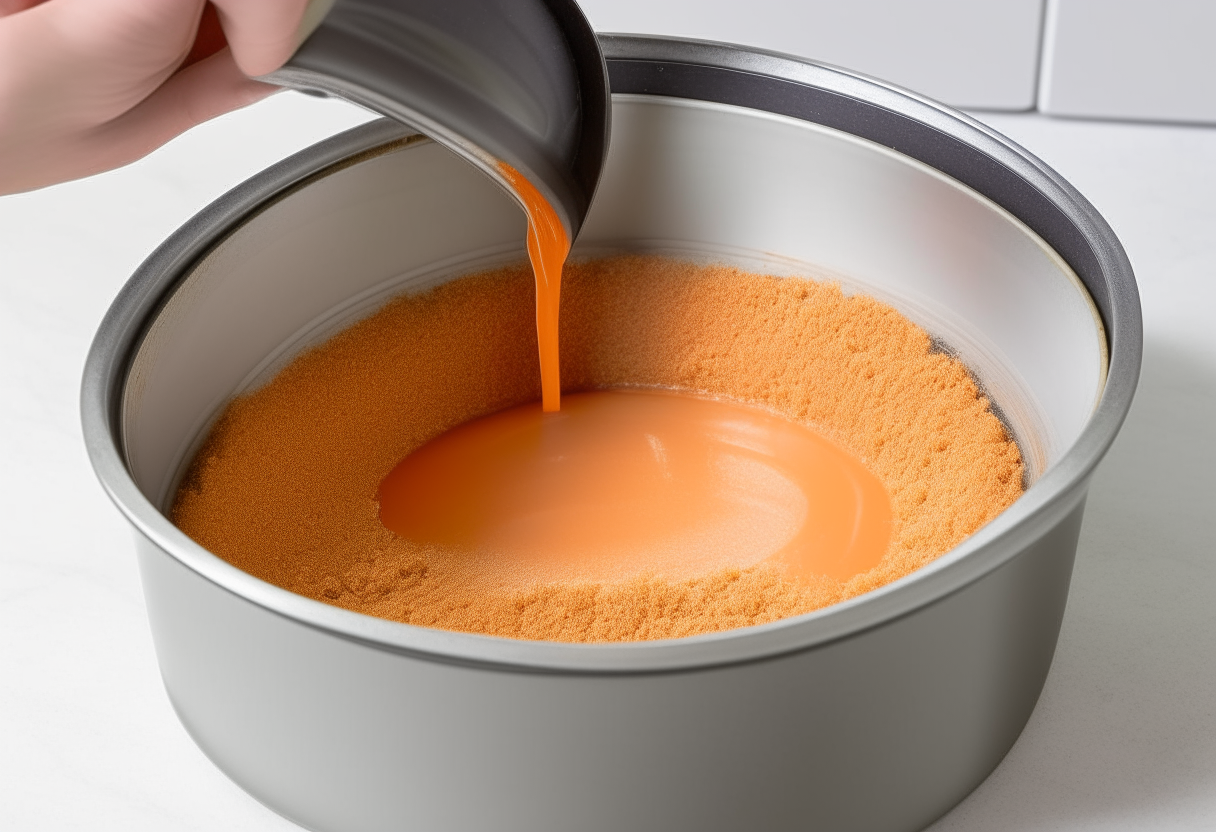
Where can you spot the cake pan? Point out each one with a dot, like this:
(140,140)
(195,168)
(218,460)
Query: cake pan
(879,713)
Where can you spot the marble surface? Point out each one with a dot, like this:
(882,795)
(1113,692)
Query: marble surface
(1124,737)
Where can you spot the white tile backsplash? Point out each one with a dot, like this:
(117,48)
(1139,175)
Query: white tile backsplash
(1152,60)
(968,53)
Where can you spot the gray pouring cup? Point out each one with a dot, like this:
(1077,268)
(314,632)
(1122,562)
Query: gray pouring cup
(515,81)
(879,713)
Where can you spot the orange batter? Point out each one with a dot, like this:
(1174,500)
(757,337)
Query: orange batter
(548,247)
(629,483)
(287,485)
(625,483)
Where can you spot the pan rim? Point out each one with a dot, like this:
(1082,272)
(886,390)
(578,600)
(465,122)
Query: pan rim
(1054,496)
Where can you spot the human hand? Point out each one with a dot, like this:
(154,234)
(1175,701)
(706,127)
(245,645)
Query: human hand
(90,85)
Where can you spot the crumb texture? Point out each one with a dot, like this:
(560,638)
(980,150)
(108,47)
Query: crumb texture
(285,485)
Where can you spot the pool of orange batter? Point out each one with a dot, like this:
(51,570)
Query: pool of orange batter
(730,449)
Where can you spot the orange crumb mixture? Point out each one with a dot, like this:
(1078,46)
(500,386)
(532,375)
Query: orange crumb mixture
(285,486)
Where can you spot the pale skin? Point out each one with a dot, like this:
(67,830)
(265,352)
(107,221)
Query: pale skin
(90,85)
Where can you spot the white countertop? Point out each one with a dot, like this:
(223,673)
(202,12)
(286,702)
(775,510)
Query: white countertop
(1124,736)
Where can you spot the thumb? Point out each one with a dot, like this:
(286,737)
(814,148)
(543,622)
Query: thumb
(263,34)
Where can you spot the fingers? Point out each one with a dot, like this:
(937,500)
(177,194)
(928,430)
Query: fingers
(149,30)
(262,33)
(89,85)
(8,7)
(209,39)
(197,93)
(68,65)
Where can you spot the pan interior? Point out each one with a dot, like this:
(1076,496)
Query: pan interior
(706,181)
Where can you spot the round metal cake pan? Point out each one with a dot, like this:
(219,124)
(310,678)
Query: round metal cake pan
(879,713)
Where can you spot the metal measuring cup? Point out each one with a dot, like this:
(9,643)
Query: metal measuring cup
(520,82)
